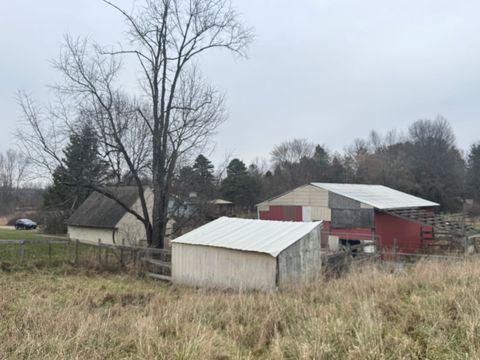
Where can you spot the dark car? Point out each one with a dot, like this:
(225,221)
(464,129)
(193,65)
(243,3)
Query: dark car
(25,224)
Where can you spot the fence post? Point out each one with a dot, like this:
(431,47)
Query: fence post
(76,251)
(22,250)
(395,249)
(99,252)
(49,253)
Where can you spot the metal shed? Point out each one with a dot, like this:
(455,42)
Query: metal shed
(247,254)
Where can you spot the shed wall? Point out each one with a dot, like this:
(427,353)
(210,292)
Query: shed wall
(207,266)
(300,262)
(90,234)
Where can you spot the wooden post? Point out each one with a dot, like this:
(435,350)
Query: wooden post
(49,253)
(22,251)
(99,252)
(76,251)
(395,249)
(67,253)
(121,256)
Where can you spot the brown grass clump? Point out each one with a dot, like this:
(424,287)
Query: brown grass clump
(430,311)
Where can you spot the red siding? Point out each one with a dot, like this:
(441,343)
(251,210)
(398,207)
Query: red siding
(353,233)
(387,228)
(285,213)
(407,233)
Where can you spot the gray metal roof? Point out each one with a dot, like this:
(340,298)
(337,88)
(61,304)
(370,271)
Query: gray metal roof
(264,236)
(377,196)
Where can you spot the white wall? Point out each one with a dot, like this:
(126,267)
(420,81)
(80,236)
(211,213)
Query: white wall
(301,262)
(90,234)
(307,195)
(131,231)
(208,266)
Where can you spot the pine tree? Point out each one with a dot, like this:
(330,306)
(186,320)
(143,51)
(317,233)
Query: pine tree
(82,167)
(473,172)
(237,186)
(204,178)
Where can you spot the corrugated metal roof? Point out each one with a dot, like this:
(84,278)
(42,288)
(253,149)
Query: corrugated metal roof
(377,196)
(264,236)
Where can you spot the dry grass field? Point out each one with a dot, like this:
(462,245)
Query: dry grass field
(431,310)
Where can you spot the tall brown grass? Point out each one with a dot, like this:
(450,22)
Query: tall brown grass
(431,310)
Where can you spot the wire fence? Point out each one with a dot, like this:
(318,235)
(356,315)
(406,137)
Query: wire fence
(51,253)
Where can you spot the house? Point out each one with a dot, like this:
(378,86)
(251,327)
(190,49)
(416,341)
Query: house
(354,213)
(101,218)
(247,254)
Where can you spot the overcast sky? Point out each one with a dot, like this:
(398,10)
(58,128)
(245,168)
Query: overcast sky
(329,71)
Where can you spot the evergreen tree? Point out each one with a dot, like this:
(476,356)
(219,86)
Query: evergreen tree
(204,183)
(473,172)
(237,186)
(83,167)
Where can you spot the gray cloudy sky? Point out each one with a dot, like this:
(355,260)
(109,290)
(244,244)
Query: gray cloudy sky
(326,70)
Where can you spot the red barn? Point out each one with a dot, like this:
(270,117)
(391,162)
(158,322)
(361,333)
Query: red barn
(354,213)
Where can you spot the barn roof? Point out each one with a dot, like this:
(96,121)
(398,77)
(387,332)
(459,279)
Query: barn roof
(377,196)
(99,211)
(264,236)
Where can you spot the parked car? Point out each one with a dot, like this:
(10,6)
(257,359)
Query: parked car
(25,224)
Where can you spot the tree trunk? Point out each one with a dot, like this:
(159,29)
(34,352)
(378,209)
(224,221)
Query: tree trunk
(158,230)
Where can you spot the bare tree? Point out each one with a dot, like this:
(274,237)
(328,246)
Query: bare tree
(13,166)
(175,114)
(292,151)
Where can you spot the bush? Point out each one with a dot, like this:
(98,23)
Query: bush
(55,221)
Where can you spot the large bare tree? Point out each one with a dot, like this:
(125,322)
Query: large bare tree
(148,132)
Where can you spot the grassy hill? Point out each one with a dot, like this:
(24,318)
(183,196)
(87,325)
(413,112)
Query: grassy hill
(430,311)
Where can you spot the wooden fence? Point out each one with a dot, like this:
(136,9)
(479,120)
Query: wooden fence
(155,263)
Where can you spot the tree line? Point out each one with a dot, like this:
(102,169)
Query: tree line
(425,162)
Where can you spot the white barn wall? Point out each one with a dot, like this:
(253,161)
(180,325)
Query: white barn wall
(307,195)
(301,262)
(208,266)
(90,234)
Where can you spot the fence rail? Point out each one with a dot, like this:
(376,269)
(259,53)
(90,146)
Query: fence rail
(153,262)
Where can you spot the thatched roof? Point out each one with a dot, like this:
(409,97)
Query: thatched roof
(99,211)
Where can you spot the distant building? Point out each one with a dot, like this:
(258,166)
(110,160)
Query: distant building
(221,207)
(101,218)
(247,254)
(353,213)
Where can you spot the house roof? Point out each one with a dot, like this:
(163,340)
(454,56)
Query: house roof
(377,196)
(263,236)
(221,202)
(99,211)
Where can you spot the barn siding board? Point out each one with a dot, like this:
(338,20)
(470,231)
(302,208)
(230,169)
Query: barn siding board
(300,262)
(336,201)
(321,213)
(353,218)
(307,195)
(389,228)
(207,266)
